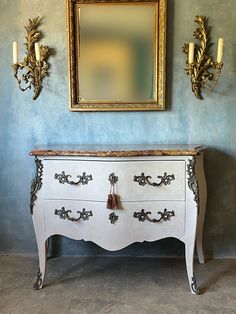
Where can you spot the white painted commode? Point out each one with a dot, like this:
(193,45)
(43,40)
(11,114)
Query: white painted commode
(161,189)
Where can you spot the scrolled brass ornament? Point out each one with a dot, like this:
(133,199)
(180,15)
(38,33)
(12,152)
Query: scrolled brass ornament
(200,62)
(36,183)
(192,181)
(113,178)
(113,218)
(194,286)
(39,281)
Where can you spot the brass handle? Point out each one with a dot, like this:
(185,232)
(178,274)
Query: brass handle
(165,179)
(64,214)
(63,178)
(165,215)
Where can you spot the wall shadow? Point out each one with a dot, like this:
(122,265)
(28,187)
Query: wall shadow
(219,228)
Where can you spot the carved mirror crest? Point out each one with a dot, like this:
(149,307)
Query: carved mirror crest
(116,54)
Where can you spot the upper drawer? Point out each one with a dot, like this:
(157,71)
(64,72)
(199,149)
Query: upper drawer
(137,180)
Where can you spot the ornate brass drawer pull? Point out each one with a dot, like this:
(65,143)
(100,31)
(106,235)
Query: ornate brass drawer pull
(63,178)
(165,215)
(64,214)
(143,180)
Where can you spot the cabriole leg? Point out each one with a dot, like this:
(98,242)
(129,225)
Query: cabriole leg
(42,251)
(189,257)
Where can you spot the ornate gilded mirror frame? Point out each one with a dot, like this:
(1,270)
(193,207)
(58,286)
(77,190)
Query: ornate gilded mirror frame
(159,67)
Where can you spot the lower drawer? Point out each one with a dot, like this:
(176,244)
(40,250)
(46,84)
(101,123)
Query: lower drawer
(114,229)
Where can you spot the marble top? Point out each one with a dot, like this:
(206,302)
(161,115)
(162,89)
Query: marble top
(119,150)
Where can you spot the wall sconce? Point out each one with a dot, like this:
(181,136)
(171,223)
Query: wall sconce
(34,63)
(199,61)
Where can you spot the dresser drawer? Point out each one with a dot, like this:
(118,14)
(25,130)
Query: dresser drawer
(113,230)
(137,180)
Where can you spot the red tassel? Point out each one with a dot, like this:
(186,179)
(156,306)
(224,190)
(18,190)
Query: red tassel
(112,201)
(109,201)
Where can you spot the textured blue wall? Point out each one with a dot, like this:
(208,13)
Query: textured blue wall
(26,123)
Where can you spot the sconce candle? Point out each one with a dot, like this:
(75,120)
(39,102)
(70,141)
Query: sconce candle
(191,53)
(220,50)
(37,51)
(15,52)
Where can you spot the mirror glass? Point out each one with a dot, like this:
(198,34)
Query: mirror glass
(116,52)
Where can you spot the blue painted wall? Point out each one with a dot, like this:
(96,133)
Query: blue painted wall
(25,123)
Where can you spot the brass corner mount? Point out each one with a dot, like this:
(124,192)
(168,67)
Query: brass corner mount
(200,62)
(34,63)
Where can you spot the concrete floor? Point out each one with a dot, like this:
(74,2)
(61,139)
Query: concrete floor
(100,285)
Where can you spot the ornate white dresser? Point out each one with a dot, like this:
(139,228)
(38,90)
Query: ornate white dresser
(161,191)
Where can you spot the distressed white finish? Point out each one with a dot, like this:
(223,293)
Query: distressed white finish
(186,225)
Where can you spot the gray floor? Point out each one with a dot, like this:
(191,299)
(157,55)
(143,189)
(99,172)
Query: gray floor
(116,285)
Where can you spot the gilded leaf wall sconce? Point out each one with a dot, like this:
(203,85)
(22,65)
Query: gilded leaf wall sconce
(34,65)
(199,61)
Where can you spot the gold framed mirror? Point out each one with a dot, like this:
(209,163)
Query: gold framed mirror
(117,54)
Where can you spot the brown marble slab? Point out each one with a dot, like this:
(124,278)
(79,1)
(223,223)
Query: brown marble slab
(119,150)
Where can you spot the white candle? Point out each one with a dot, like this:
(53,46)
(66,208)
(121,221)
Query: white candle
(191,53)
(37,51)
(220,50)
(15,52)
